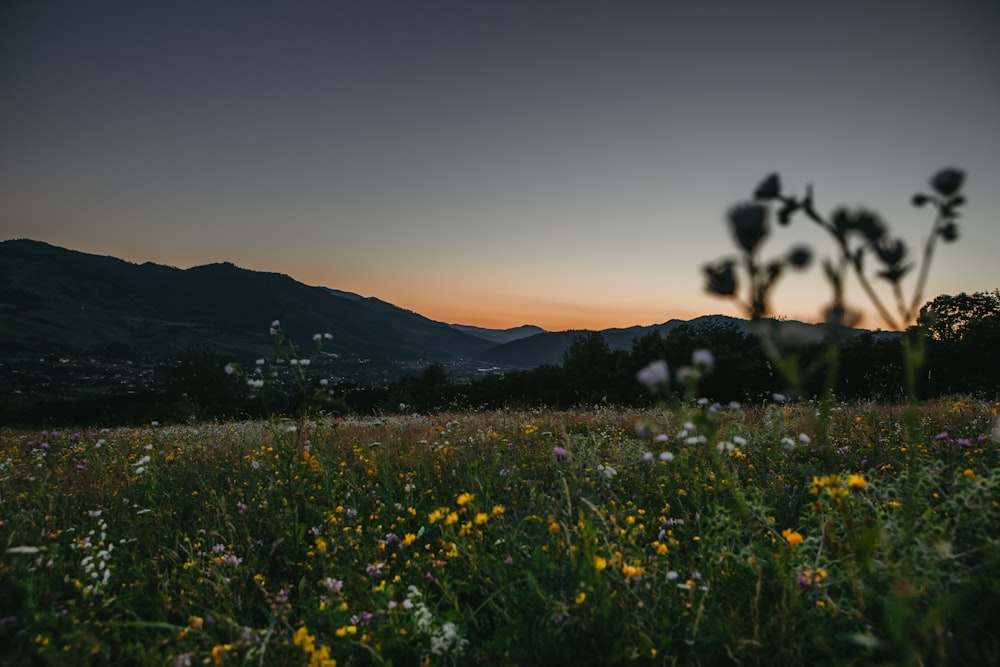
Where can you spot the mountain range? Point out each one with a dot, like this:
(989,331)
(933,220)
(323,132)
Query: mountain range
(59,301)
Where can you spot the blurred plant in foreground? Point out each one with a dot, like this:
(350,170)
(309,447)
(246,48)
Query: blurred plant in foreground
(857,235)
(860,238)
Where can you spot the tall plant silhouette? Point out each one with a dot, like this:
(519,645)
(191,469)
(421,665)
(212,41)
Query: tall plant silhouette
(863,248)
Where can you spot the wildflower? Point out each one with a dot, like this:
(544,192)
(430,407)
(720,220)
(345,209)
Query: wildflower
(804,439)
(703,358)
(606,471)
(647,457)
(219,652)
(666,457)
(600,563)
(464,498)
(481,518)
(229,369)
(857,481)
(23,550)
(580,597)
(655,374)
(969,472)
(447,640)
(558,452)
(794,538)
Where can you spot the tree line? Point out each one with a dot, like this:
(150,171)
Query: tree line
(962,334)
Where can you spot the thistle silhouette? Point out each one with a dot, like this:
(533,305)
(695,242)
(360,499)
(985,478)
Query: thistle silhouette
(857,235)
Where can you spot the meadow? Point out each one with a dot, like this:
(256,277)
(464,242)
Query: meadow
(688,534)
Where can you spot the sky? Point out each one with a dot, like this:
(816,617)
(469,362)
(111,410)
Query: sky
(563,164)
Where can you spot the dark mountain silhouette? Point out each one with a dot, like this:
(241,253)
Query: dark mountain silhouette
(59,301)
(500,335)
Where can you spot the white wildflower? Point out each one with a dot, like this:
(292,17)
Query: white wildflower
(655,374)
(703,358)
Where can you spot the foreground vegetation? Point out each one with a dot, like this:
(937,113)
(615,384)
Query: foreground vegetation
(697,534)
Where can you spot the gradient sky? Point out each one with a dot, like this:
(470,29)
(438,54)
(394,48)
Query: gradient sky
(565,164)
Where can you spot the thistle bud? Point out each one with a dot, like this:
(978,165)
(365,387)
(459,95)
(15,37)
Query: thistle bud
(721,279)
(890,252)
(949,232)
(769,188)
(749,224)
(948,182)
(800,257)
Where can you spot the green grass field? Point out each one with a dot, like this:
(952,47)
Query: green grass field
(689,535)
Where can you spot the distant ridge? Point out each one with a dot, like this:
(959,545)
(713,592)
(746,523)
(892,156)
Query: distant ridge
(54,300)
(58,300)
(500,335)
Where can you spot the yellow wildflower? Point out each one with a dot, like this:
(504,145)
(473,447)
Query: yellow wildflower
(857,481)
(794,538)
(219,652)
